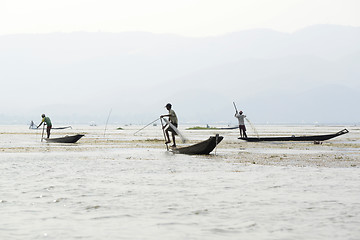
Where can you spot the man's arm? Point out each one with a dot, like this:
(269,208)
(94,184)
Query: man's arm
(40,123)
(162,116)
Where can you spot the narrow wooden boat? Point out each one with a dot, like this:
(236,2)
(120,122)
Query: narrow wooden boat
(62,127)
(314,138)
(204,147)
(66,139)
(229,128)
(54,128)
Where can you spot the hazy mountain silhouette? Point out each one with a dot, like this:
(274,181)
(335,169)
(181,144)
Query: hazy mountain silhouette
(308,76)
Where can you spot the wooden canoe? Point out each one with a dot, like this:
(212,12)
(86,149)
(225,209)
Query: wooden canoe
(66,139)
(53,128)
(204,147)
(314,138)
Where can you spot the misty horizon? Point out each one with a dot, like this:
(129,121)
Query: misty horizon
(306,77)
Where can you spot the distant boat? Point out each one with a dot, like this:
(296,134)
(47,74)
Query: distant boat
(62,127)
(34,126)
(314,138)
(66,139)
(204,147)
(212,128)
(229,128)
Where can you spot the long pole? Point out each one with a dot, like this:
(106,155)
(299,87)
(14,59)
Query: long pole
(162,126)
(42,135)
(235,107)
(146,126)
(216,142)
(107,120)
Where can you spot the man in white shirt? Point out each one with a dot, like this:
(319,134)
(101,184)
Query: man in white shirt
(174,121)
(242,128)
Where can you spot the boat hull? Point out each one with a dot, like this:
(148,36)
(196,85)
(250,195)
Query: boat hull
(201,148)
(319,138)
(66,139)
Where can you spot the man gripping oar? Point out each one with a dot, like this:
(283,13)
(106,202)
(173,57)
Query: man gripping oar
(242,128)
(47,121)
(240,117)
(174,121)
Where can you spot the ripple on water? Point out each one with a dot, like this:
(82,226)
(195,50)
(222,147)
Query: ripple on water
(119,191)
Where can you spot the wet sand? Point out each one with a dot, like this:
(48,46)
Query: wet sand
(342,151)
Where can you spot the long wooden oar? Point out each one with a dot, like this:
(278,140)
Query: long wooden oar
(162,126)
(145,126)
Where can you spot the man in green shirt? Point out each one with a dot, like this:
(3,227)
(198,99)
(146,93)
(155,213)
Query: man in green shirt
(174,121)
(47,122)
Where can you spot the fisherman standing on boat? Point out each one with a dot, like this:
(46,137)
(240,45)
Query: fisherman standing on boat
(47,122)
(242,128)
(168,128)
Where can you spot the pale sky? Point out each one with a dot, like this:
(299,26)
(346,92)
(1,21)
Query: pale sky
(196,18)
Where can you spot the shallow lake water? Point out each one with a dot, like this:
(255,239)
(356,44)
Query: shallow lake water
(119,185)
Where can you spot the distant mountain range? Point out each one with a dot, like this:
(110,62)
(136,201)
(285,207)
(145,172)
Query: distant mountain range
(309,76)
